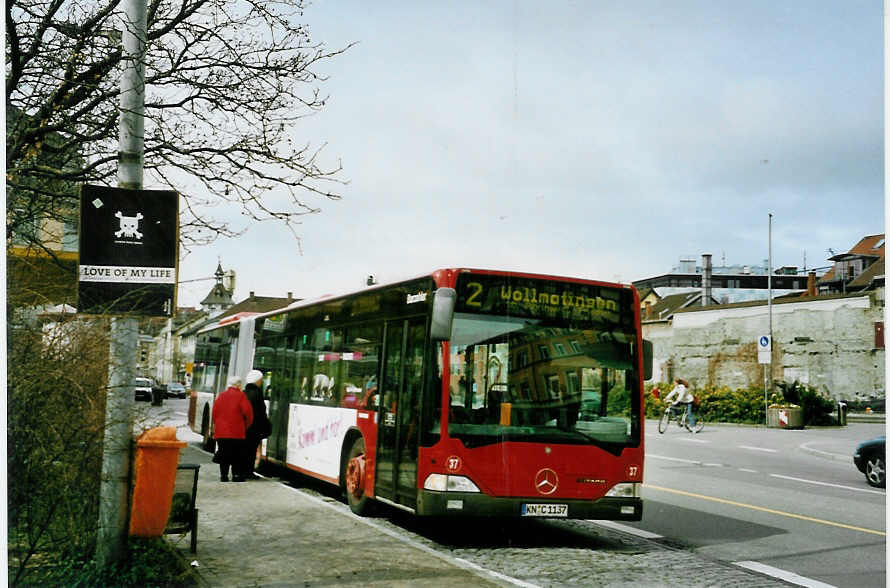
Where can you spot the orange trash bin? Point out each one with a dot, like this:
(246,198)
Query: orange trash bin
(157,456)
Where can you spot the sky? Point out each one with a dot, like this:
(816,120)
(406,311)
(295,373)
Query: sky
(602,140)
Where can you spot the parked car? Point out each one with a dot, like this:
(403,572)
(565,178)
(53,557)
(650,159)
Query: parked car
(143,388)
(871,459)
(175,390)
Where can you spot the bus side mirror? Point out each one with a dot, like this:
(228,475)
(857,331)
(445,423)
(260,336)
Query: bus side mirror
(443,313)
(647,359)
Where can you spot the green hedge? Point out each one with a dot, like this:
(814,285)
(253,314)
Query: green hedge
(746,405)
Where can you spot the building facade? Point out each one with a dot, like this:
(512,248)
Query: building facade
(827,332)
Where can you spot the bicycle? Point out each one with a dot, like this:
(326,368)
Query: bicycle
(681,417)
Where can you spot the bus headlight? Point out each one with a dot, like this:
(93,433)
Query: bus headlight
(626,490)
(446,483)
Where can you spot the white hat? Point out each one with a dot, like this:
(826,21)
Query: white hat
(253,376)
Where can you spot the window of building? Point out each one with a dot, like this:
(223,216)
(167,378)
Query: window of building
(69,235)
(522,358)
(28,231)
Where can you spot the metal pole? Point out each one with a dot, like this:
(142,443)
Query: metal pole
(124,336)
(765,399)
(115,486)
(132,103)
(769,287)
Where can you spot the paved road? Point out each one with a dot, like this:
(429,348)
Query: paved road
(790,500)
(730,494)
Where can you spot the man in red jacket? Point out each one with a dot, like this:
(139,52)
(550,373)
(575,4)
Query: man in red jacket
(232,414)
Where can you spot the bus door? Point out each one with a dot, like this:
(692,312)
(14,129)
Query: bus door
(281,392)
(399,414)
(276,444)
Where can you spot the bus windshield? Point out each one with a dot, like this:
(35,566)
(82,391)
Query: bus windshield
(531,379)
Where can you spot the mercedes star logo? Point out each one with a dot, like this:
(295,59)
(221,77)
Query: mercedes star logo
(546,481)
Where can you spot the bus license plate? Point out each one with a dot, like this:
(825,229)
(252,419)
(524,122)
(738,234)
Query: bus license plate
(545,510)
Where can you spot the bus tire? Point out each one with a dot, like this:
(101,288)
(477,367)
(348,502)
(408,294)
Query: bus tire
(209,443)
(354,478)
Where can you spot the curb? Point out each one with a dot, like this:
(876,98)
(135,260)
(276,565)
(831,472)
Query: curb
(851,418)
(825,454)
(190,574)
(866,418)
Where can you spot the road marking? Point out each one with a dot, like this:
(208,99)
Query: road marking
(627,529)
(782,574)
(689,461)
(869,491)
(681,460)
(746,470)
(767,510)
(695,440)
(758,448)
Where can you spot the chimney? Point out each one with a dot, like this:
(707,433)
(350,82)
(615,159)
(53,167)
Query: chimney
(290,295)
(251,294)
(811,284)
(706,270)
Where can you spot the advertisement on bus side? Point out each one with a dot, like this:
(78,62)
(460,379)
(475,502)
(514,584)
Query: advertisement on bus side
(315,436)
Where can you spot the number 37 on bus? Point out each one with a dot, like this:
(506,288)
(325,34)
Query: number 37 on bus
(458,393)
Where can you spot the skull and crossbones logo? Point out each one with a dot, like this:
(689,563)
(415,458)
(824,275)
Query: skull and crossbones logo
(129,226)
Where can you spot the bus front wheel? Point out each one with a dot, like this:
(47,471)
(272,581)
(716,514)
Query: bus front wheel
(354,475)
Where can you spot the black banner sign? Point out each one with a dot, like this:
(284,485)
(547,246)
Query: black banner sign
(128,251)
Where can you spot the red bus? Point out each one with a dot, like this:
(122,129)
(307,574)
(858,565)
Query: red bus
(462,392)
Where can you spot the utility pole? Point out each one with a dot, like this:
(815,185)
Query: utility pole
(124,336)
(769,304)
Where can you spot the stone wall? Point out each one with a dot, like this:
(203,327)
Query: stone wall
(827,342)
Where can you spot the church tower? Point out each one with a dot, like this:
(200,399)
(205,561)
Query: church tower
(219,299)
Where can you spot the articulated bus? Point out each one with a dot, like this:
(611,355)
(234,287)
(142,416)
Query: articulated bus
(462,392)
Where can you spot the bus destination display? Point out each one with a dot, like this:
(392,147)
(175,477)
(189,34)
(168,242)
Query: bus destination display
(532,298)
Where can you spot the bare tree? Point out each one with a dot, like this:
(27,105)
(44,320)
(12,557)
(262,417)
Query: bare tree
(54,436)
(226,81)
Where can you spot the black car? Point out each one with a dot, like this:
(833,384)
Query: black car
(175,390)
(871,459)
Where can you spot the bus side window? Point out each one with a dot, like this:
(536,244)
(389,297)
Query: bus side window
(361,356)
(305,365)
(325,383)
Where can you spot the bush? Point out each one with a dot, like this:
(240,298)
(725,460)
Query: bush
(817,409)
(746,405)
(55,424)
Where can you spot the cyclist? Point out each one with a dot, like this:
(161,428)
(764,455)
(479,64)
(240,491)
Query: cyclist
(681,392)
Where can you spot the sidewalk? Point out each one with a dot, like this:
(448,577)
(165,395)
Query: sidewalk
(297,540)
